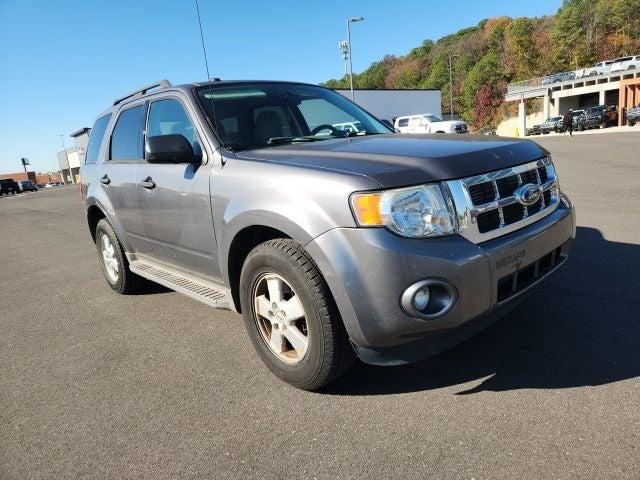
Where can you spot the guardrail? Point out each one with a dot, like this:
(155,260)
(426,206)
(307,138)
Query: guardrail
(525,86)
(581,75)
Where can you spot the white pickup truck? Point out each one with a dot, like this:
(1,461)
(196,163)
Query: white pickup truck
(428,123)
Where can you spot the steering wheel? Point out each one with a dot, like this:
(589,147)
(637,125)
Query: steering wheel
(319,128)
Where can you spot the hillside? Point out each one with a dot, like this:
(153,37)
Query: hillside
(501,50)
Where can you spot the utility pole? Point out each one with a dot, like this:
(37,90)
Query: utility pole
(349,22)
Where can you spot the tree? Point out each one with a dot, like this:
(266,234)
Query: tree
(486,71)
(520,54)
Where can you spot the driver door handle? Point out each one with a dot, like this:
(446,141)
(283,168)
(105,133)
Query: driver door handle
(105,180)
(147,183)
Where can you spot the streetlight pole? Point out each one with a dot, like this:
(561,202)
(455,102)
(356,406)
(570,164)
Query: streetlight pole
(64,180)
(349,22)
(451,87)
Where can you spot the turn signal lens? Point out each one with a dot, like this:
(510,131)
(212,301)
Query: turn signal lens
(366,207)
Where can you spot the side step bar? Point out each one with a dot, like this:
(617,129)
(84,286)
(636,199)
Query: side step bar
(210,293)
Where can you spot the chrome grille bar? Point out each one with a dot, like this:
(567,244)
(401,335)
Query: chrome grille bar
(469,214)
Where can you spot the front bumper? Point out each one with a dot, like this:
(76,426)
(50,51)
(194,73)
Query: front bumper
(367,271)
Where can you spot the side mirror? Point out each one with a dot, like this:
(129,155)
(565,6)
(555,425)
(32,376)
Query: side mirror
(173,148)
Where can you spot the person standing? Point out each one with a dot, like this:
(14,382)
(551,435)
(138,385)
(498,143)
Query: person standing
(567,122)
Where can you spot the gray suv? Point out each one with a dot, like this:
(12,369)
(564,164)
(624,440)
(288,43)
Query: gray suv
(333,244)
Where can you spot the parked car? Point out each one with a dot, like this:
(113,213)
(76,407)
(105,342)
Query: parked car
(429,123)
(552,124)
(558,77)
(633,115)
(599,68)
(601,116)
(378,245)
(535,130)
(625,63)
(27,186)
(8,185)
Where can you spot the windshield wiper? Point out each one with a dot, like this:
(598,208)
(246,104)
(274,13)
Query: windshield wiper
(281,140)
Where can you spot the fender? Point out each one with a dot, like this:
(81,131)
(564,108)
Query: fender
(303,207)
(98,198)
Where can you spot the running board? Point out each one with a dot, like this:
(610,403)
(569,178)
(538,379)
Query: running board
(213,295)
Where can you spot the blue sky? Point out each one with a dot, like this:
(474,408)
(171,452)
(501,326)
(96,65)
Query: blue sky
(61,63)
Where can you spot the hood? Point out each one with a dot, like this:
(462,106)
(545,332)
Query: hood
(394,160)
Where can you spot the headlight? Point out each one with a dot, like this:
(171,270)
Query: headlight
(415,212)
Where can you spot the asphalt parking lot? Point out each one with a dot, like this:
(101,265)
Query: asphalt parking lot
(157,385)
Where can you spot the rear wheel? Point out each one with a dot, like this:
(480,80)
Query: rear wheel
(113,260)
(291,317)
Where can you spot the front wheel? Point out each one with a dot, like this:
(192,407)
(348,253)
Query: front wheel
(291,317)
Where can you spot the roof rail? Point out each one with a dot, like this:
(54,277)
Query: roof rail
(143,90)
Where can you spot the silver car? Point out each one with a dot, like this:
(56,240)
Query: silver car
(333,244)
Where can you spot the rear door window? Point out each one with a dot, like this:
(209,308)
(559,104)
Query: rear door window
(126,139)
(95,139)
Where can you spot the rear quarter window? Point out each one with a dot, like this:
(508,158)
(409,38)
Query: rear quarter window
(95,139)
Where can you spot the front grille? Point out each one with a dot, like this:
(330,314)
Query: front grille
(516,282)
(487,206)
(482,193)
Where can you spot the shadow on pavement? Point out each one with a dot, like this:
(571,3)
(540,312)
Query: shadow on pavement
(579,328)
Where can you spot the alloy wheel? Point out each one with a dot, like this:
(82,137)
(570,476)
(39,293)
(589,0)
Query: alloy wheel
(109,258)
(280,318)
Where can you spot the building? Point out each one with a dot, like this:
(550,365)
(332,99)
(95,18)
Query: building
(70,159)
(388,103)
(621,88)
(39,178)
(20,176)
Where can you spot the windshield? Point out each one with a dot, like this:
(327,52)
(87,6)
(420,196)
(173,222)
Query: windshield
(254,115)
(594,110)
(433,118)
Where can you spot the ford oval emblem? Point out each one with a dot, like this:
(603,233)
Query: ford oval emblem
(528,194)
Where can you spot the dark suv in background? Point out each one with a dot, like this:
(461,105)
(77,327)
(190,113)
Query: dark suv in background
(633,115)
(602,116)
(8,185)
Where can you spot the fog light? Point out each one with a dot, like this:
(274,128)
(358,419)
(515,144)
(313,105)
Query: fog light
(429,299)
(421,299)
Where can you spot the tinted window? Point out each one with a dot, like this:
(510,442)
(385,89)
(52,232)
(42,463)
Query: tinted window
(168,117)
(403,122)
(126,140)
(95,140)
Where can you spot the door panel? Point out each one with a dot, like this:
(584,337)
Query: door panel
(118,174)
(122,191)
(177,216)
(176,211)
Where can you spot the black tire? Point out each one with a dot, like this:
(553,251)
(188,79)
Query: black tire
(127,282)
(329,352)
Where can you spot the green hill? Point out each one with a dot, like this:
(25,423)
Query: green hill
(501,50)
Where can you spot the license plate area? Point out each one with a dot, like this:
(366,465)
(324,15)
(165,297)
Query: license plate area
(521,279)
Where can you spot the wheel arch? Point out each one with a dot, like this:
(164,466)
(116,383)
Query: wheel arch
(242,243)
